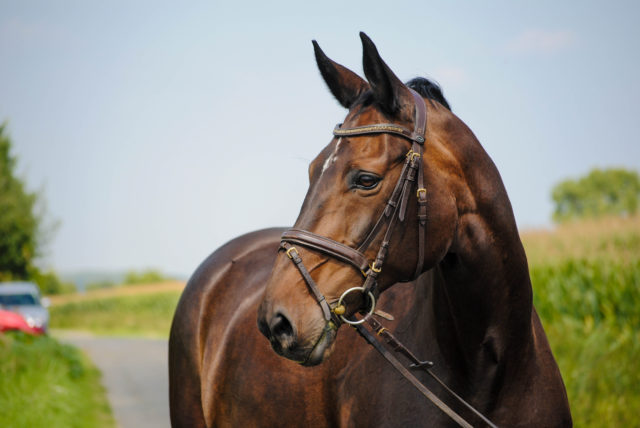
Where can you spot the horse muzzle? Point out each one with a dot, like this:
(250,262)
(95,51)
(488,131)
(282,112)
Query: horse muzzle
(287,342)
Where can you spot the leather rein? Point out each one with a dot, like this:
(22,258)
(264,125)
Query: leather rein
(395,210)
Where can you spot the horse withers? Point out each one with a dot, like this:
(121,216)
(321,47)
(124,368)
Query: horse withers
(419,220)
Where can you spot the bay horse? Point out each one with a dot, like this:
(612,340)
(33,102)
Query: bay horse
(453,274)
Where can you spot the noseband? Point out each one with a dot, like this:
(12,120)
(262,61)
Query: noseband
(395,209)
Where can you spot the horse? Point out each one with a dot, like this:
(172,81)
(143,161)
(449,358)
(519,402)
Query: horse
(450,274)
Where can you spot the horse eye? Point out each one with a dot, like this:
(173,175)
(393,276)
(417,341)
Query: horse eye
(366,181)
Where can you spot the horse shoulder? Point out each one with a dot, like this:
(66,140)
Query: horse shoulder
(220,284)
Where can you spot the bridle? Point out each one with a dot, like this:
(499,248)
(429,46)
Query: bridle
(395,210)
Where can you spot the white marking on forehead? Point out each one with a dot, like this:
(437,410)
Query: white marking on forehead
(331,159)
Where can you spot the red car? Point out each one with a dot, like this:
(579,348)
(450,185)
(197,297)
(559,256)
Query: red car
(14,321)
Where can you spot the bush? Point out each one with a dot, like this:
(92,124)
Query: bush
(145,277)
(49,283)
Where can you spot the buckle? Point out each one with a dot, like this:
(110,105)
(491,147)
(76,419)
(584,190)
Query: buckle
(411,155)
(422,191)
(339,310)
(289,252)
(374,268)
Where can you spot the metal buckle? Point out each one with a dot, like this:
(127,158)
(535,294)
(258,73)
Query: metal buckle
(368,314)
(412,155)
(423,191)
(289,252)
(374,268)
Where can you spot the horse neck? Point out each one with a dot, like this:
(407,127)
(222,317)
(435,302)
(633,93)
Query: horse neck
(483,305)
(481,295)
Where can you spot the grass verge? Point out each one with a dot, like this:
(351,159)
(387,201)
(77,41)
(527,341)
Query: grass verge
(44,383)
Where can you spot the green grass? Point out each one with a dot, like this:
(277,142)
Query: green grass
(593,292)
(44,383)
(586,283)
(141,315)
(599,367)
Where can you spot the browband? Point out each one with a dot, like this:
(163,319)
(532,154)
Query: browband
(382,128)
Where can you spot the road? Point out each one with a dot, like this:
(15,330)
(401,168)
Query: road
(135,374)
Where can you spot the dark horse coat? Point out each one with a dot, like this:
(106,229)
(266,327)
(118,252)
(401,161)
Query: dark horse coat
(470,311)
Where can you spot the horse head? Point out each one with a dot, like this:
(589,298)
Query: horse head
(381,208)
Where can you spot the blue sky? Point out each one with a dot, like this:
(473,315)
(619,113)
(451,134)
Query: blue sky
(158,131)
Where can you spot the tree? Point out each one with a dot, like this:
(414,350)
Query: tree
(21,226)
(18,222)
(599,193)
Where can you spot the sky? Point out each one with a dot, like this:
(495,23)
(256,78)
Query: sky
(157,131)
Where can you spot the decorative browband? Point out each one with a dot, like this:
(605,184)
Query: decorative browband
(381,128)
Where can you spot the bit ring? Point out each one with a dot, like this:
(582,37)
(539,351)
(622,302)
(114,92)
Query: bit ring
(369,313)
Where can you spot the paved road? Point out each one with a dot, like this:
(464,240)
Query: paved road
(134,372)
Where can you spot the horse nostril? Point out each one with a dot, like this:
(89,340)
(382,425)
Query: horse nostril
(264,327)
(282,330)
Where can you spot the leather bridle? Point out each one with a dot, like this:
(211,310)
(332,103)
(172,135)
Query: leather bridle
(395,210)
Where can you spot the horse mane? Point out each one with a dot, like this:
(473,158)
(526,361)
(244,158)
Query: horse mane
(428,89)
(421,85)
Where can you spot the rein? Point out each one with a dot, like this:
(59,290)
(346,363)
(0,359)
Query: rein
(395,210)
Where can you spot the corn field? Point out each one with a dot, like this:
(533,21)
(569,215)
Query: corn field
(586,284)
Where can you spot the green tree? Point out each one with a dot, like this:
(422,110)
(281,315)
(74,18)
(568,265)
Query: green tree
(21,226)
(614,191)
(18,221)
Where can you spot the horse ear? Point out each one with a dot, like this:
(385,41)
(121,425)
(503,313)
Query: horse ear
(389,91)
(343,83)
